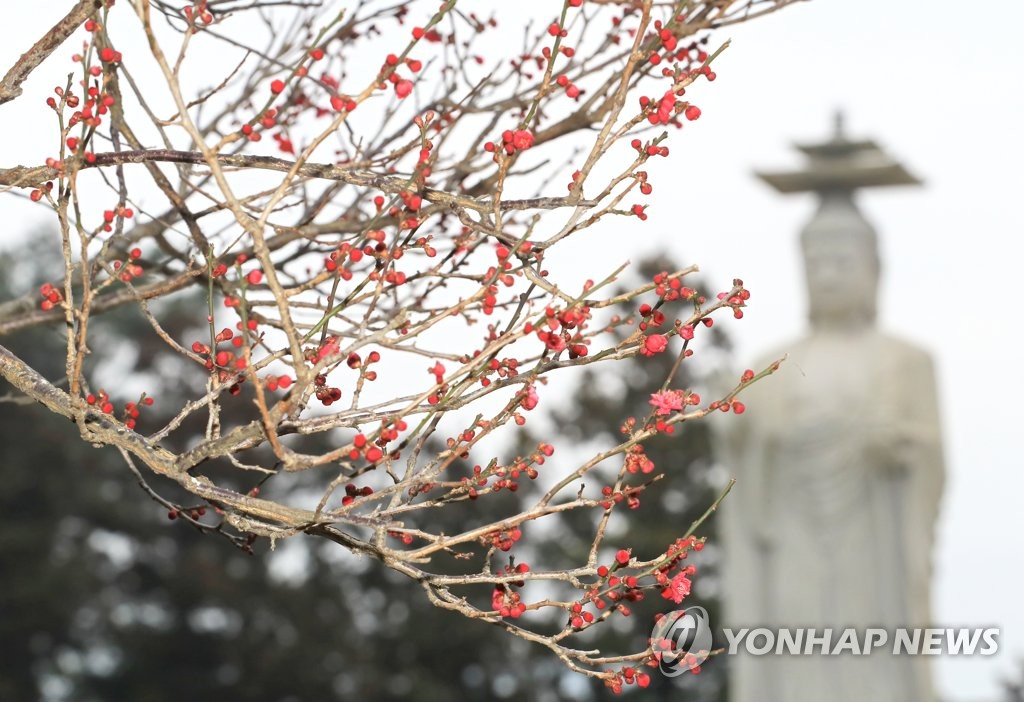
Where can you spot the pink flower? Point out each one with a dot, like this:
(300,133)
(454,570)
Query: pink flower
(530,398)
(655,343)
(678,589)
(498,597)
(329,348)
(666,402)
(522,138)
(403,88)
(686,332)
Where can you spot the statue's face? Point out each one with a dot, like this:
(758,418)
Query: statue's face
(842,280)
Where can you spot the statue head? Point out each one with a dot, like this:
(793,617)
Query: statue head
(841,264)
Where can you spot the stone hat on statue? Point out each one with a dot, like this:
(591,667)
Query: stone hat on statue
(834,170)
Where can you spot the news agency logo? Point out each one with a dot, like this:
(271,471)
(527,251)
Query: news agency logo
(682,640)
(863,642)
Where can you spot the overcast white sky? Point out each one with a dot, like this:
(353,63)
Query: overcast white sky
(937,83)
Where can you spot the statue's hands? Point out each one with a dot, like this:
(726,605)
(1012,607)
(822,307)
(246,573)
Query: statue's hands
(893,450)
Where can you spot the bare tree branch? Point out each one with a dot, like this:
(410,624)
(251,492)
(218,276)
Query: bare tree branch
(10,84)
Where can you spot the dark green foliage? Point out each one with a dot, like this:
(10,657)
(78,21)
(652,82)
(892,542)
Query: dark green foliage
(669,506)
(103,598)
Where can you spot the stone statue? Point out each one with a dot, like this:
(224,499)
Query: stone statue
(839,467)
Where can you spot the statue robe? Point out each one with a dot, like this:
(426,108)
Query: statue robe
(839,470)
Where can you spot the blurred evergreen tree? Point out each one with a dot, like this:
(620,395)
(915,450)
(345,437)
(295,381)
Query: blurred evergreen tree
(103,598)
(668,507)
